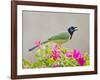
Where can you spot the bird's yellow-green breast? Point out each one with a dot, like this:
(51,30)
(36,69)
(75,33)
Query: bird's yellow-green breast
(60,38)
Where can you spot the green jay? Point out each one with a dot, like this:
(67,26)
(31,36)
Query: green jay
(61,38)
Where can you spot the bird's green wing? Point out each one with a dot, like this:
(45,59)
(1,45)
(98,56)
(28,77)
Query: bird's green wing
(60,38)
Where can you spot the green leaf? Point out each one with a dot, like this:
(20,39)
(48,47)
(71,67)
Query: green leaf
(26,63)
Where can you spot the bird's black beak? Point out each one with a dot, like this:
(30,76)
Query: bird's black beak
(76,28)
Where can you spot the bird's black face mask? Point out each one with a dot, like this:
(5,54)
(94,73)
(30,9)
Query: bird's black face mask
(71,30)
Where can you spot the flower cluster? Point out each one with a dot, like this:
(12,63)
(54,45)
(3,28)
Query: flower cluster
(77,55)
(53,55)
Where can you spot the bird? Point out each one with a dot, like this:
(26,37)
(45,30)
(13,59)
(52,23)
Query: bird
(60,38)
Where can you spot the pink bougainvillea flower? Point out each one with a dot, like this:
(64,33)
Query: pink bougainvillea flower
(37,43)
(55,54)
(77,54)
(54,47)
(81,61)
(69,54)
(55,65)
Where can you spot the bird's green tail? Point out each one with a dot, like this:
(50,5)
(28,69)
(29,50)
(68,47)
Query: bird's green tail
(44,42)
(37,46)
